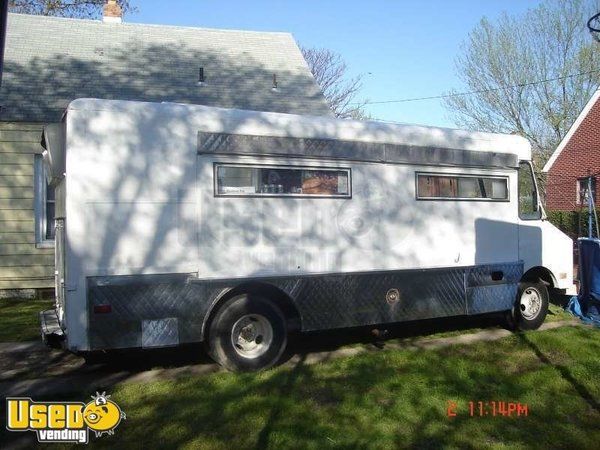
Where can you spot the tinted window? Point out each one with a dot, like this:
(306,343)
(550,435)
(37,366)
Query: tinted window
(461,187)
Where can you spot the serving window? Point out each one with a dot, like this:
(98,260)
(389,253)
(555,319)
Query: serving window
(281,181)
(461,187)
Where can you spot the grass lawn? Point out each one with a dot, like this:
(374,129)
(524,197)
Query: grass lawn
(19,319)
(385,399)
(556,313)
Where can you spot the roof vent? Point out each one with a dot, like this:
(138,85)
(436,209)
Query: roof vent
(112,12)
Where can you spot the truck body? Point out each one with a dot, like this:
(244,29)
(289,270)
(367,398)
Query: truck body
(164,211)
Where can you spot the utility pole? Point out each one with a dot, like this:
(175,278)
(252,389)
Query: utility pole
(590,206)
(592,214)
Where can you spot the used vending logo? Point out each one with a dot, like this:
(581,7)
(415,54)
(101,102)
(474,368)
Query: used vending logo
(64,421)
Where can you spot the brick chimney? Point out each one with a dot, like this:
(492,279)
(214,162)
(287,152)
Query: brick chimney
(112,12)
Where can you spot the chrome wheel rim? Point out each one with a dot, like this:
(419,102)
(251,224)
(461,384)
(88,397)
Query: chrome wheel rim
(251,335)
(531,303)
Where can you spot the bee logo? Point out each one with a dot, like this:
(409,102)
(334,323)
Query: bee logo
(102,415)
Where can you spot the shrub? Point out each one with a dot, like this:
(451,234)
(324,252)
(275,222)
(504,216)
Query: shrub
(573,223)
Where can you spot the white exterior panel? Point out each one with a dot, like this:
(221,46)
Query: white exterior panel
(140,200)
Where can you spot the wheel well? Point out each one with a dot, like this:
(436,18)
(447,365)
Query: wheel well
(537,274)
(268,291)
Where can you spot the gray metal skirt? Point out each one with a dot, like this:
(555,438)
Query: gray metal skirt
(161,310)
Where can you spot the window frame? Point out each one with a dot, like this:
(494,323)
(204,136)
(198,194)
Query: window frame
(216,193)
(462,175)
(540,211)
(40,201)
(578,200)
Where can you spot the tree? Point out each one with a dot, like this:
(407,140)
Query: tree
(549,42)
(91,9)
(330,73)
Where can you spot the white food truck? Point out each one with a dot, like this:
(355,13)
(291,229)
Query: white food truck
(182,223)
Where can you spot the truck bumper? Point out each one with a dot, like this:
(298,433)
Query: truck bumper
(52,334)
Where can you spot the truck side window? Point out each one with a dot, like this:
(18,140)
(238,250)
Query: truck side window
(461,187)
(281,181)
(529,209)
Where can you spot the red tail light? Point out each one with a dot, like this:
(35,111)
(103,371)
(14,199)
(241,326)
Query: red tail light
(102,309)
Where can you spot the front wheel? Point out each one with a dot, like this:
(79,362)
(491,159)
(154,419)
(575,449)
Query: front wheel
(247,333)
(531,306)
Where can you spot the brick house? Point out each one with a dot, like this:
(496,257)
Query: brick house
(575,159)
(50,61)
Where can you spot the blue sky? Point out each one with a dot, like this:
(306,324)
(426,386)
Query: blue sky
(405,49)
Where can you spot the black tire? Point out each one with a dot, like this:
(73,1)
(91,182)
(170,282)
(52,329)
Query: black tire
(261,332)
(531,306)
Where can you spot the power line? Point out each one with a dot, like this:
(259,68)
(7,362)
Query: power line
(480,91)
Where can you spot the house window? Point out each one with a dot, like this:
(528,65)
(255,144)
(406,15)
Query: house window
(461,187)
(281,181)
(583,191)
(44,205)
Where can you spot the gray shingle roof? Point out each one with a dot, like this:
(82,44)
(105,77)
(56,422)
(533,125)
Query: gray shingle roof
(50,61)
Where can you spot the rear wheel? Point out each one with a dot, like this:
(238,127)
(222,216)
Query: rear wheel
(531,306)
(247,333)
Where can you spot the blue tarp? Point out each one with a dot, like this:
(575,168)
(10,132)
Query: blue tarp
(587,304)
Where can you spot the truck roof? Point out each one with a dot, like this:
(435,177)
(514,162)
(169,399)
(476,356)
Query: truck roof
(208,119)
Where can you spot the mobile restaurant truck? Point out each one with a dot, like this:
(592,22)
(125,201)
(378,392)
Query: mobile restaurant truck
(182,223)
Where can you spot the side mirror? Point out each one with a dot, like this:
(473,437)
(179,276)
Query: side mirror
(53,142)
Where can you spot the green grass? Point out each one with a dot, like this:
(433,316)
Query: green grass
(19,320)
(557,313)
(385,399)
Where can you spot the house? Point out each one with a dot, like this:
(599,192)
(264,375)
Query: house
(50,61)
(576,158)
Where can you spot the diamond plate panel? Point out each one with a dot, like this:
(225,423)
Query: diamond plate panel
(352,150)
(323,301)
(487,295)
(160,333)
(484,299)
(278,145)
(338,301)
(134,299)
(482,275)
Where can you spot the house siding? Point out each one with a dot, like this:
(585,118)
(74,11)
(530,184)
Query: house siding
(579,158)
(22,264)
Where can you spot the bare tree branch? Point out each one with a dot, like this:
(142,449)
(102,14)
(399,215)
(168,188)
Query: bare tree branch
(548,41)
(90,9)
(330,72)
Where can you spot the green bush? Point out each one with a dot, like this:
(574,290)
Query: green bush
(573,223)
